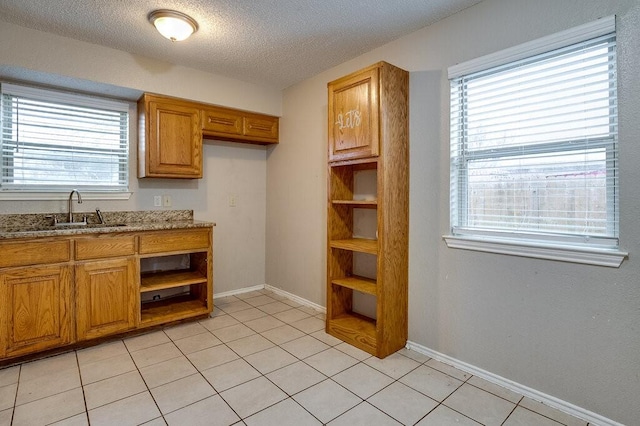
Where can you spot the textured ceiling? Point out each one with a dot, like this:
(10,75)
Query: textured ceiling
(270,42)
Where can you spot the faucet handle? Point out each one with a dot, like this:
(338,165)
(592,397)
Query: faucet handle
(54,217)
(100,218)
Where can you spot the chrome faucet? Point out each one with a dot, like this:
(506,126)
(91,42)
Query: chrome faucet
(70,220)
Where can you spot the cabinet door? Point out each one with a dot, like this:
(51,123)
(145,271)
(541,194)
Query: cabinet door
(234,125)
(106,297)
(36,303)
(174,143)
(262,128)
(221,121)
(354,116)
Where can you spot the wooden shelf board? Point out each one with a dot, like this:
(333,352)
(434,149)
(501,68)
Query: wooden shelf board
(361,284)
(154,281)
(357,244)
(356,330)
(366,204)
(171,309)
(359,163)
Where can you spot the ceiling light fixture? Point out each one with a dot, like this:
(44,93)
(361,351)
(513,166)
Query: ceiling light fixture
(176,26)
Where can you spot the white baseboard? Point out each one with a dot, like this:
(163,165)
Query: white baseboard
(276,290)
(551,401)
(239,291)
(295,298)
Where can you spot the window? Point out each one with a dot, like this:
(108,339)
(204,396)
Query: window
(54,142)
(534,143)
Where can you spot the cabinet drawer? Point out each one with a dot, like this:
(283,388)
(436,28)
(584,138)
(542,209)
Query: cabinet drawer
(101,247)
(169,241)
(262,128)
(23,253)
(221,121)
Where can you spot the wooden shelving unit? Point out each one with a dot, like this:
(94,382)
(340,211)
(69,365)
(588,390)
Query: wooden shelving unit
(197,300)
(368,140)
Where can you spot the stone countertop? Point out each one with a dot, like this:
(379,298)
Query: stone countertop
(40,225)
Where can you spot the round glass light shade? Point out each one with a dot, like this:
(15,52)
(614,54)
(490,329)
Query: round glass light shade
(173,25)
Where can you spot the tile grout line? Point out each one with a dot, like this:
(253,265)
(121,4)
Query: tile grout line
(264,375)
(200,372)
(365,400)
(84,396)
(289,396)
(15,399)
(304,334)
(143,381)
(510,413)
(202,375)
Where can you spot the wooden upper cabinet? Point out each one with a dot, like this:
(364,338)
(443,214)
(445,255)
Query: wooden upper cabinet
(170,138)
(239,126)
(354,111)
(170,132)
(221,121)
(261,128)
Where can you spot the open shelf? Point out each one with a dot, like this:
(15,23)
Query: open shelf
(155,281)
(172,309)
(365,204)
(361,245)
(175,287)
(355,329)
(361,284)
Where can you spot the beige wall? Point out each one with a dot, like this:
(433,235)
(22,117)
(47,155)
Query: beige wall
(238,169)
(567,330)
(571,331)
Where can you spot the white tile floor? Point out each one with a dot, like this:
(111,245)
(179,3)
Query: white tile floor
(259,360)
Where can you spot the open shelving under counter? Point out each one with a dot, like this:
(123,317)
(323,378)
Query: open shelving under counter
(170,279)
(171,309)
(176,279)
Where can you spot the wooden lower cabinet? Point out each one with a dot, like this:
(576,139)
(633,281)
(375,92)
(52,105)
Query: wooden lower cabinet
(106,297)
(36,309)
(57,291)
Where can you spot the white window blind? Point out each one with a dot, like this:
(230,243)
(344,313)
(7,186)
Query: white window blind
(534,144)
(53,141)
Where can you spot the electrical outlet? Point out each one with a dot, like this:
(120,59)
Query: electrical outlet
(157,201)
(232,200)
(166,200)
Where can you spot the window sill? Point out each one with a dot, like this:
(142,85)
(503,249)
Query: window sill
(590,256)
(46,196)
